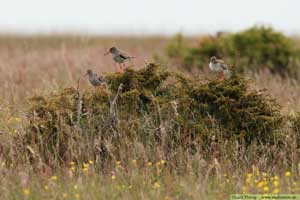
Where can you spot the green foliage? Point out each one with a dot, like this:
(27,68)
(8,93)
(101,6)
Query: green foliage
(248,115)
(176,47)
(258,47)
(155,107)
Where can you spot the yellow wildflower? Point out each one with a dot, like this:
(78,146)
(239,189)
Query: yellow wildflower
(53,178)
(276,191)
(65,195)
(91,162)
(75,187)
(113,177)
(72,163)
(46,187)
(26,192)
(244,189)
(85,165)
(18,119)
(266,189)
(248,180)
(149,164)
(288,174)
(162,162)
(260,184)
(133,162)
(77,196)
(156,185)
(276,183)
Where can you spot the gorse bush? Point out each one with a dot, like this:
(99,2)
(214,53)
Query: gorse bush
(150,106)
(258,47)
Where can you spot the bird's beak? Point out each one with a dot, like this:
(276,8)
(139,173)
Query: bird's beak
(106,53)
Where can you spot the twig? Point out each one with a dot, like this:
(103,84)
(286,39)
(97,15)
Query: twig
(79,105)
(79,109)
(78,84)
(113,103)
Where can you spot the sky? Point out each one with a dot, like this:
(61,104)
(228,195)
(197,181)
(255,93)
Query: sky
(147,16)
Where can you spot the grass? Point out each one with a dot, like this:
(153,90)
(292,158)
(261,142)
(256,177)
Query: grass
(41,65)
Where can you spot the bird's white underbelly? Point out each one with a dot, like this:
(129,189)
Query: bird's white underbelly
(215,67)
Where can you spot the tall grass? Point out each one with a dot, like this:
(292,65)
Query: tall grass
(137,166)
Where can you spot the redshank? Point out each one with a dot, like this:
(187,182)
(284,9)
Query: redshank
(118,56)
(94,79)
(218,65)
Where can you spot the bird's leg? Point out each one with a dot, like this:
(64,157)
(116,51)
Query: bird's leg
(120,68)
(124,66)
(116,66)
(221,76)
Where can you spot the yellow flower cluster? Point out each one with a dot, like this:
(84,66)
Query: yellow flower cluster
(262,182)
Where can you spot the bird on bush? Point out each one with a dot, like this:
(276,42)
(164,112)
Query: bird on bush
(118,56)
(94,79)
(218,65)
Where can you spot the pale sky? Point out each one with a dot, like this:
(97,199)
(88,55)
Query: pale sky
(147,16)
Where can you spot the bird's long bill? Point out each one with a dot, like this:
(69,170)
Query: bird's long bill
(106,53)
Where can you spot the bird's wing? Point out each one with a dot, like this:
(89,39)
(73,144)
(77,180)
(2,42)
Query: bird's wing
(223,66)
(124,55)
(101,78)
(220,61)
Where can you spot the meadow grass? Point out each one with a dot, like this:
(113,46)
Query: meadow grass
(42,65)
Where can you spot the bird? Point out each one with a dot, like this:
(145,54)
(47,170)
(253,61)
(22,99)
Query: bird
(118,56)
(94,79)
(218,65)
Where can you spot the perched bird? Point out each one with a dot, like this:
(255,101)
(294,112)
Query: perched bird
(118,56)
(94,79)
(218,66)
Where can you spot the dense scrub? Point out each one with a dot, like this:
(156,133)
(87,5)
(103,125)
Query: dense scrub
(258,47)
(151,106)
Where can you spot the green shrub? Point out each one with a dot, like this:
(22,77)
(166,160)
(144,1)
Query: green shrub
(176,48)
(155,108)
(246,114)
(258,47)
